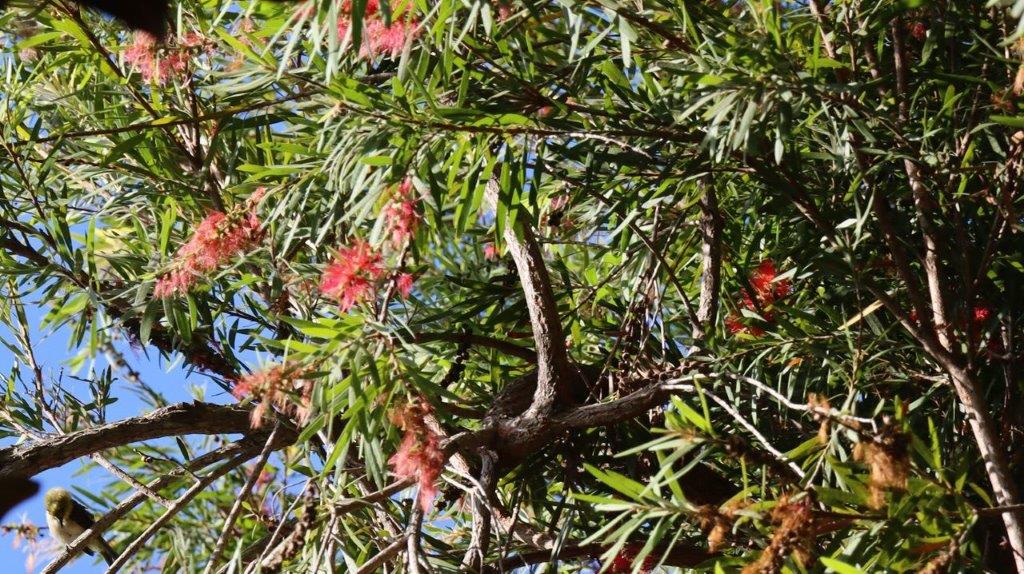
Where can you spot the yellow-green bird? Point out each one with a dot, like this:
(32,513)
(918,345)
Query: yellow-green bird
(68,519)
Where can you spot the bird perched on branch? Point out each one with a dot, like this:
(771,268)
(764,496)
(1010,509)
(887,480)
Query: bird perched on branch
(68,519)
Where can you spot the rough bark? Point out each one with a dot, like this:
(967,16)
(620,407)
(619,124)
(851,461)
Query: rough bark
(555,375)
(180,419)
(711,256)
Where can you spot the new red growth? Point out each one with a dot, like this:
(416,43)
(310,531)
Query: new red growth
(419,456)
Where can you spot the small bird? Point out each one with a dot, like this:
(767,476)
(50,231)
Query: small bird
(68,519)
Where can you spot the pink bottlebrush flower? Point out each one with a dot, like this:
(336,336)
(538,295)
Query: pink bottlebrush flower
(142,54)
(217,239)
(242,388)
(400,215)
(158,63)
(490,251)
(404,284)
(389,40)
(353,275)
(377,38)
(419,456)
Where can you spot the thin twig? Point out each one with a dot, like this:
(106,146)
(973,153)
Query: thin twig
(387,553)
(236,508)
(245,447)
(756,433)
(174,509)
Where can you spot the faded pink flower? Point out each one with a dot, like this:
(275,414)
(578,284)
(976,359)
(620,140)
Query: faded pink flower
(353,275)
(159,63)
(400,215)
(273,386)
(490,251)
(504,11)
(217,239)
(404,284)
(378,39)
(419,456)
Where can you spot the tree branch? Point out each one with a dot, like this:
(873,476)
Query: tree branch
(711,254)
(179,419)
(554,373)
(236,508)
(248,447)
(177,507)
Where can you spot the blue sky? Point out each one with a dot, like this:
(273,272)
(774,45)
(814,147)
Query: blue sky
(52,354)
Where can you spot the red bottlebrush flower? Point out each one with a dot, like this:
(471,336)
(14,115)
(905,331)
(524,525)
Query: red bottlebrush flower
(981,313)
(353,275)
(919,30)
(734,325)
(767,290)
(400,215)
(216,239)
(404,284)
(419,455)
(623,561)
(378,39)
(490,251)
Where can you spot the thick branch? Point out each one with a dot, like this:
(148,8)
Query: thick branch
(181,419)
(711,255)
(554,373)
(924,204)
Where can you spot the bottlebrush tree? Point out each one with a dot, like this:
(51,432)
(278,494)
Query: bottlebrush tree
(714,286)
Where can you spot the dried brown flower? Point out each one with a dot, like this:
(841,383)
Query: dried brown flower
(888,458)
(794,535)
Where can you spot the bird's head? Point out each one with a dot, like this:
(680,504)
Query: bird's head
(58,502)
